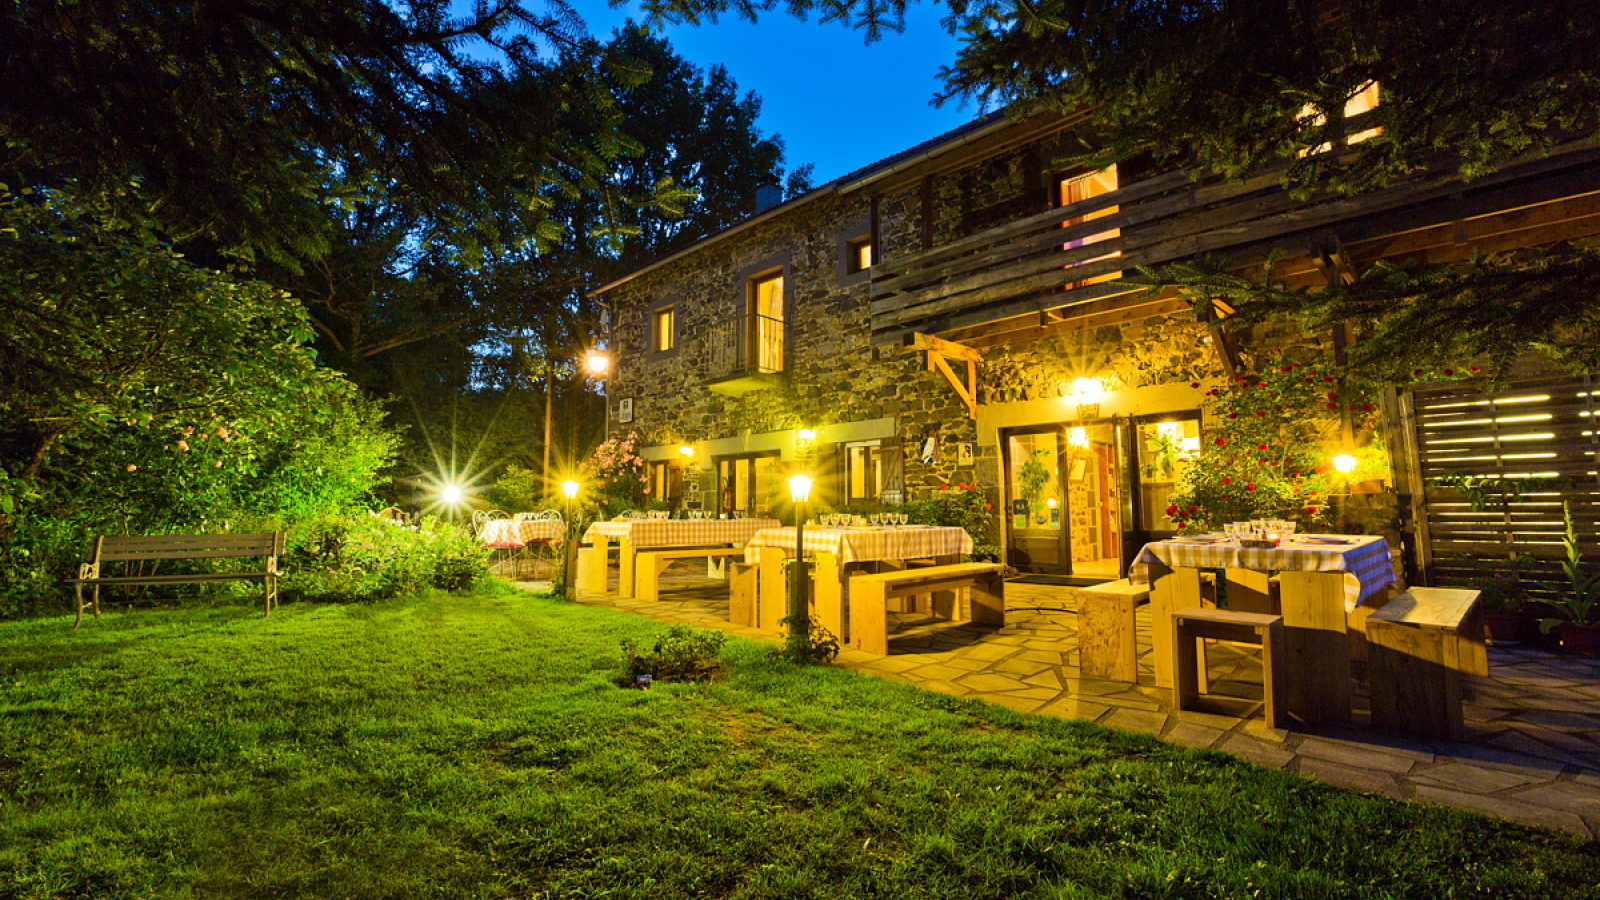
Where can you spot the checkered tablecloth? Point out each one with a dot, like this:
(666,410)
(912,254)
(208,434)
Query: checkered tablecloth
(511,533)
(855,544)
(680,532)
(1364,559)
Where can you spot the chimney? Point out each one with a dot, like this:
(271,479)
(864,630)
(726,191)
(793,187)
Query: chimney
(767,196)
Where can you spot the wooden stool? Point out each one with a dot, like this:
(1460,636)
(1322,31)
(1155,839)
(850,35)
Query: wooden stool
(742,588)
(1190,626)
(1419,644)
(1106,630)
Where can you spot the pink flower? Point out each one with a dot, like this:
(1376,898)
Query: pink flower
(183,445)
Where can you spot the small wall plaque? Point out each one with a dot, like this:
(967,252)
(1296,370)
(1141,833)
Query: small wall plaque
(625,410)
(964,454)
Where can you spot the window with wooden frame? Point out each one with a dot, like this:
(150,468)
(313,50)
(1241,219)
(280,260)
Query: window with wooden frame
(858,254)
(767,322)
(1364,100)
(664,481)
(872,472)
(663,330)
(749,483)
(1076,189)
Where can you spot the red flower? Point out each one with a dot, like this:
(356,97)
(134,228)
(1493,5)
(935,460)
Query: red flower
(1242,379)
(1227,480)
(1233,415)
(987,506)
(1333,406)
(1366,407)
(1285,368)
(1250,486)
(1311,493)
(1262,447)
(1333,396)
(1449,372)
(945,488)
(1182,525)
(1222,442)
(1195,385)
(1327,379)
(1472,369)
(1194,509)
(1416,373)
(1311,510)
(1172,510)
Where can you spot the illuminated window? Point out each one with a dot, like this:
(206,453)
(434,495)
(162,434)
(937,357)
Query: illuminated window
(662,328)
(666,481)
(858,255)
(1077,189)
(1364,100)
(869,471)
(766,307)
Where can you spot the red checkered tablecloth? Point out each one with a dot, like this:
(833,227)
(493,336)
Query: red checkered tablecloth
(1363,558)
(511,533)
(679,532)
(860,544)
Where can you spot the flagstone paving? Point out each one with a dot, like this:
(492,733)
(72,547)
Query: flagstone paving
(1532,753)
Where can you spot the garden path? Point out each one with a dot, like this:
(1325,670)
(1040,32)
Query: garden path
(1532,754)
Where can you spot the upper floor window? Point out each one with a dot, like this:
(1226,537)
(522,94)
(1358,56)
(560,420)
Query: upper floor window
(663,330)
(1076,189)
(1364,100)
(766,311)
(858,254)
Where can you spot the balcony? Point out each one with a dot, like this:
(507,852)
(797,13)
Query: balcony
(745,353)
(1057,268)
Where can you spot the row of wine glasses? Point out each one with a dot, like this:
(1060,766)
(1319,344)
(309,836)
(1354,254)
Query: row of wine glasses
(840,520)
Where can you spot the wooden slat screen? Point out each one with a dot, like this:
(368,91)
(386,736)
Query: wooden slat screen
(1541,435)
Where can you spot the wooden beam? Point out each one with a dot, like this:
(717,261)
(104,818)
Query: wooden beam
(968,395)
(943,347)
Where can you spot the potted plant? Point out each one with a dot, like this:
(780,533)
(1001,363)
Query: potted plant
(1502,600)
(1577,606)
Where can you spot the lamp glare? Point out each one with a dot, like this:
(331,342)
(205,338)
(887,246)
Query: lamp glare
(1345,463)
(570,488)
(800,488)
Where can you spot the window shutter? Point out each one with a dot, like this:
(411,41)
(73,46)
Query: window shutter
(893,453)
(830,475)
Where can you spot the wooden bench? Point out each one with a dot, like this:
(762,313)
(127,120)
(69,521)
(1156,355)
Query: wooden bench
(1418,645)
(1106,630)
(649,564)
(870,596)
(1191,626)
(159,547)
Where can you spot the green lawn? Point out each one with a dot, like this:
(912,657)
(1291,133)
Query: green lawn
(460,747)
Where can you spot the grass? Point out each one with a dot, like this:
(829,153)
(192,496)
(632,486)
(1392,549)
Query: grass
(466,747)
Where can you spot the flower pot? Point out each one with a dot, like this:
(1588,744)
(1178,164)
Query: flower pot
(1503,627)
(1580,640)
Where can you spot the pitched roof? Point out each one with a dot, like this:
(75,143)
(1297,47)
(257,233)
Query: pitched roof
(853,180)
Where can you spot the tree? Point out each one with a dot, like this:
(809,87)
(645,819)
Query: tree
(1231,85)
(240,123)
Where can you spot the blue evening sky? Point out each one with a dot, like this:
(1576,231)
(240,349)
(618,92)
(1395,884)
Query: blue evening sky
(837,102)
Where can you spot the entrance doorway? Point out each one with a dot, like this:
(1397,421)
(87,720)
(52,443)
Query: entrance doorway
(1080,500)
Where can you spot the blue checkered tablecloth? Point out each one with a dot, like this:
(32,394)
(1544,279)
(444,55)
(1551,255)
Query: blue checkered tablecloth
(1363,558)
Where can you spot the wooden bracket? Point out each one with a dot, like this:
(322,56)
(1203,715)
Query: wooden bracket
(1333,262)
(939,351)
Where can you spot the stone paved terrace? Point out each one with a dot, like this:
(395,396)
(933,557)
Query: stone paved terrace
(1532,754)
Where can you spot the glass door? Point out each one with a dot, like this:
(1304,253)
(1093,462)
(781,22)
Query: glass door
(1163,446)
(1094,492)
(748,485)
(1035,513)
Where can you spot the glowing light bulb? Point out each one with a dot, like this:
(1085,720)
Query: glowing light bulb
(1345,463)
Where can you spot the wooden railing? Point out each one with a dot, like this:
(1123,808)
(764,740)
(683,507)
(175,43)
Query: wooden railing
(1025,267)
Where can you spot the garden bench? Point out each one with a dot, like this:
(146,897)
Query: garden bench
(870,596)
(1418,646)
(649,564)
(157,547)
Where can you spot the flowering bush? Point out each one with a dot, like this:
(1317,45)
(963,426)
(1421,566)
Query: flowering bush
(615,474)
(961,506)
(1265,451)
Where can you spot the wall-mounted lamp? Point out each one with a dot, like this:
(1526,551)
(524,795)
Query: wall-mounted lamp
(806,434)
(1086,392)
(597,363)
(685,450)
(1345,463)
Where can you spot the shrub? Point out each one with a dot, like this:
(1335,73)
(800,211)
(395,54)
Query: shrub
(682,654)
(961,506)
(359,557)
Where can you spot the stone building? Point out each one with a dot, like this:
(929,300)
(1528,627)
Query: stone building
(953,314)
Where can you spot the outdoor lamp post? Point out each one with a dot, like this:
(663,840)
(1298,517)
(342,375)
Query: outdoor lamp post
(799,622)
(569,550)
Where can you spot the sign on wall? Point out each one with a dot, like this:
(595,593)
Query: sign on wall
(625,410)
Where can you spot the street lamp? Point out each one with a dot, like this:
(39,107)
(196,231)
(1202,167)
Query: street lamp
(569,550)
(799,622)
